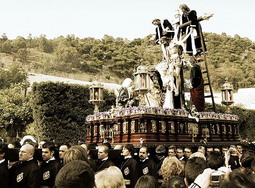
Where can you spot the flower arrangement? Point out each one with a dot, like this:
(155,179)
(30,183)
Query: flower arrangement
(213,115)
(98,116)
(151,110)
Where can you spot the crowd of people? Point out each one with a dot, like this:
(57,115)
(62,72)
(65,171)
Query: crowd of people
(90,166)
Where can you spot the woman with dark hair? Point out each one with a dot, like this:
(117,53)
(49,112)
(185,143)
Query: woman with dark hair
(146,181)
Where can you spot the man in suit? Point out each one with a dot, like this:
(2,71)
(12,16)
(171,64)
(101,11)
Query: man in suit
(147,166)
(26,172)
(4,174)
(103,159)
(129,166)
(50,166)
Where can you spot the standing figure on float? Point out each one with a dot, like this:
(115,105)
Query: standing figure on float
(193,44)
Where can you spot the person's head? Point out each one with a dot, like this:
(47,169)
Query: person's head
(239,148)
(143,153)
(146,181)
(2,151)
(193,168)
(215,160)
(208,150)
(172,151)
(156,21)
(75,174)
(176,182)
(84,146)
(62,149)
(224,149)
(184,8)
(127,150)
(48,150)
(26,152)
(160,151)
(75,153)
(179,153)
(238,179)
(103,152)
(201,149)
(197,154)
(104,178)
(171,166)
(247,157)
(14,144)
(233,151)
(187,152)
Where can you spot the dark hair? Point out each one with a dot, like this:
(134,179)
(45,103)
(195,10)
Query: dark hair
(247,158)
(146,181)
(3,148)
(16,144)
(238,179)
(107,144)
(65,144)
(176,182)
(92,146)
(75,174)
(215,160)
(166,24)
(129,147)
(160,149)
(193,168)
(49,145)
(155,73)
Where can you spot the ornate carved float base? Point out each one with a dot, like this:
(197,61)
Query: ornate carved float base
(154,129)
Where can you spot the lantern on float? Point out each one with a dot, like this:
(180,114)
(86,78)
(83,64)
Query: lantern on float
(96,95)
(227,94)
(141,84)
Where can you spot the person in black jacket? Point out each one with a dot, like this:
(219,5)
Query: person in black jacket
(191,15)
(147,166)
(103,159)
(4,173)
(129,166)
(50,166)
(26,172)
(197,83)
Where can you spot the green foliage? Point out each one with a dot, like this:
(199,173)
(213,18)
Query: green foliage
(15,105)
(60,111)
(45,45)
(227,56)
(246,121)
(15,75)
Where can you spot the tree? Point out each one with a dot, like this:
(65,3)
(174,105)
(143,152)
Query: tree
(15,75)
(44,44)
(15,111)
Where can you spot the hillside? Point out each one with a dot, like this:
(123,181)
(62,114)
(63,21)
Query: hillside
(113,59)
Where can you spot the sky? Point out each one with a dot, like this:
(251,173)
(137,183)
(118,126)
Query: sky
(118,18)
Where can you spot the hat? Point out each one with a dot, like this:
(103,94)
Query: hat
(160,149)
